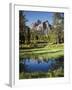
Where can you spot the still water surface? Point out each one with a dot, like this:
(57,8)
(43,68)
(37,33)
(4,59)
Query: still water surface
(45,65)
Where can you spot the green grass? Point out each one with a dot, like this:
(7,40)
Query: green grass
(50,74)
(49,51)
(47,47)
(43,55)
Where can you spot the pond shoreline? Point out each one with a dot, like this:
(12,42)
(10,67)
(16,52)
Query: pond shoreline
(30,68)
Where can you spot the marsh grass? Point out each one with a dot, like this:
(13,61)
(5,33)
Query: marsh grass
(50,74)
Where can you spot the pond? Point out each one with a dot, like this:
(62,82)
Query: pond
(41,65)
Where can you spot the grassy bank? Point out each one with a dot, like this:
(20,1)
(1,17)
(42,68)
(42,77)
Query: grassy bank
(49,51)
(50,74)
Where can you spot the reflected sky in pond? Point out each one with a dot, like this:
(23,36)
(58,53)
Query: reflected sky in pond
(39,65)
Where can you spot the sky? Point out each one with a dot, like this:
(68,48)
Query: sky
(33,16)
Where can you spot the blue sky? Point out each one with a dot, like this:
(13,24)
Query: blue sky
(33,16)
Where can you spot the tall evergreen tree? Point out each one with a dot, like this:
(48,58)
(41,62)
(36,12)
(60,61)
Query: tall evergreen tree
(22,26)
